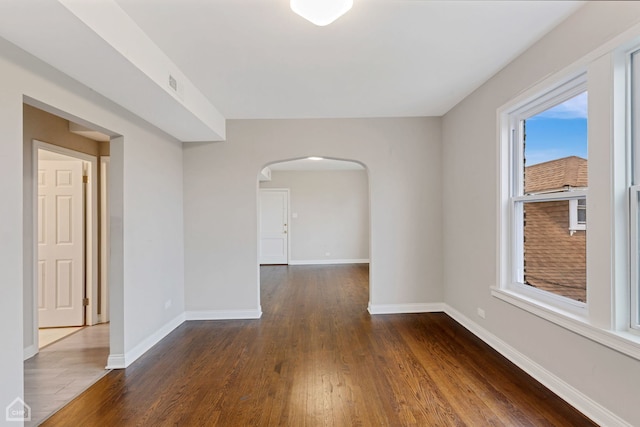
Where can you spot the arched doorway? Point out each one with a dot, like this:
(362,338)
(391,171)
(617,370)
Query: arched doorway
(314,211)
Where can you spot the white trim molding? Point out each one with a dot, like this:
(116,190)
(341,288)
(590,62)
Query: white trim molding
(30,351)
(327,261)
(115,361)
(624,342)
(119,361)
(580,401)
(405,308)
(224,314)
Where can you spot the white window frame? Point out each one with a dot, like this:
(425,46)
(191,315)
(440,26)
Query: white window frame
(634,246)
(514,118)
(634,189)
(574,224)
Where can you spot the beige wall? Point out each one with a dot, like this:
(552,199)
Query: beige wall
(54,130)
(332,210)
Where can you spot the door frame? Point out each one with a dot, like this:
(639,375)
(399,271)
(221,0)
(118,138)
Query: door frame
(90,240)
(288,220)
(105,162)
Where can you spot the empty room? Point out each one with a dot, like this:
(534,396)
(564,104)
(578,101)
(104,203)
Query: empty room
(305,213)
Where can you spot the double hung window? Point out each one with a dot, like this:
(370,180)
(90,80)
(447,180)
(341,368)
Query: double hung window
(552,194)
(548,196)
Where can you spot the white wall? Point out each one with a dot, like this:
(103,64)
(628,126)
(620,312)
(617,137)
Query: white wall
(332,210)
(470,167)
(146,217)
(153,235)
(11,226)
(403,160)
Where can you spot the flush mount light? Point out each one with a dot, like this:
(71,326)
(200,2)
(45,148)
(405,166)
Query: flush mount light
(321,12)
(315,158)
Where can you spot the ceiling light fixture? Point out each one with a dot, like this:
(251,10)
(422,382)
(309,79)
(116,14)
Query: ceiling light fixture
(321,12)
(315,158)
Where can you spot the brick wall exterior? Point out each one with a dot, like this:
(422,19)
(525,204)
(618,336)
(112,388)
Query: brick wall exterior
(554,259)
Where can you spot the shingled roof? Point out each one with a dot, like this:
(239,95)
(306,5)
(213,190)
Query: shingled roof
(556,175)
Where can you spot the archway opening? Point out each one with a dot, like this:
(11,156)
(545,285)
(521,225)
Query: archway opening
(314,215)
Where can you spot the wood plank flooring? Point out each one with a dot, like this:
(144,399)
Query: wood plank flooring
(317,358)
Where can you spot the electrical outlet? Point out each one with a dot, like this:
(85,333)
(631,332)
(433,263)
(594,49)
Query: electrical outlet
(327,254)
(167,304)
(481,312)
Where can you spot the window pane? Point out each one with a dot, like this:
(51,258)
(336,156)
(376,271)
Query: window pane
(554,257)
(582,211)
(555,147)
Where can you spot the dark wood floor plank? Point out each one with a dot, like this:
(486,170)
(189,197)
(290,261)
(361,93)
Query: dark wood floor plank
(317,358)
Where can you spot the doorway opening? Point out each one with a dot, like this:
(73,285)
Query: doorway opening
(313,211)
(66,309)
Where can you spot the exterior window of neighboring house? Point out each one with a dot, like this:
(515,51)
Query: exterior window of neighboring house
(577,215)
(548,193)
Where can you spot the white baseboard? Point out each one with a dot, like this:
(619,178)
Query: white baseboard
(405,308)
(224,314)
(573,396)
(115,361)
(30,351)
(120,361)
(327,261)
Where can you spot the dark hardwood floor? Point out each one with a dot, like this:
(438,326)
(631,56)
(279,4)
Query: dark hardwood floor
(317,358)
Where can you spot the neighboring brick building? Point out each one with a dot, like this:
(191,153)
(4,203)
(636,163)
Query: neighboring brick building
(554,245)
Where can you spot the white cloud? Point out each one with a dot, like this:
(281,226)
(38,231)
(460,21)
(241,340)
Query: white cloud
(574,108)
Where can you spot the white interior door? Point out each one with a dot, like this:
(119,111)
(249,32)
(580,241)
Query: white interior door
(274,220)
(60,243)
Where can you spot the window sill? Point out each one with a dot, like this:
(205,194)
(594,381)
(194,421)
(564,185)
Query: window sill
(624,342)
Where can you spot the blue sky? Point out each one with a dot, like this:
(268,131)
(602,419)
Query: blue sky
(558,132)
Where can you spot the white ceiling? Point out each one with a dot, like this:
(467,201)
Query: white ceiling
(384,58)
(258,59)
